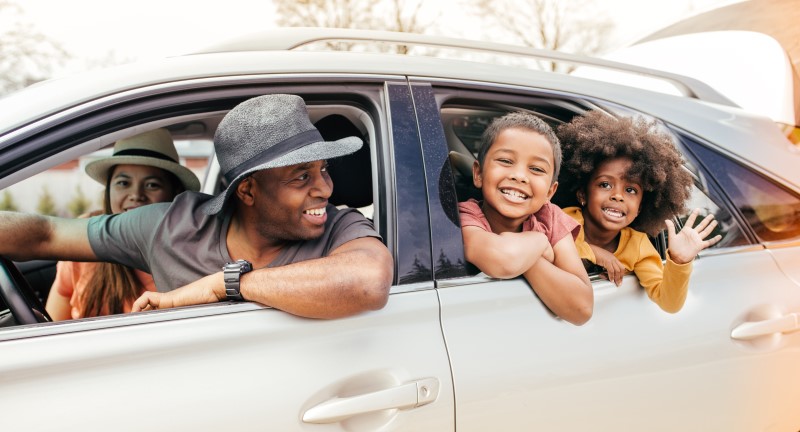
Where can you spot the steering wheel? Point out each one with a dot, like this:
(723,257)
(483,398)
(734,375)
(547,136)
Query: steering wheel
(18,295)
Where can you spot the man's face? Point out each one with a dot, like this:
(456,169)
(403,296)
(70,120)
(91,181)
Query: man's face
(290,201)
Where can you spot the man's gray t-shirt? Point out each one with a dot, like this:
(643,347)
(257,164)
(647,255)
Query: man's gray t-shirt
(177,243)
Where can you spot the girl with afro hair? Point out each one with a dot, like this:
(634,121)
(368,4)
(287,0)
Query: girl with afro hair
(628,178)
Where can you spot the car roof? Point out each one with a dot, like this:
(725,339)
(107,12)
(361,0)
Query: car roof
(745,134)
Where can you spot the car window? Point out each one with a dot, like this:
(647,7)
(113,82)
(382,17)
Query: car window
(66,190)
(463,128)
(772,211)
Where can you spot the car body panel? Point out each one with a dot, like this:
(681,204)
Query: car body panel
(516,364)
(155,373)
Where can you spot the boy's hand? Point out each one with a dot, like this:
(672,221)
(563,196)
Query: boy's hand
(614,268)
(685,245)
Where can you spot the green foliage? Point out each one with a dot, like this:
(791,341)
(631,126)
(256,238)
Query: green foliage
(8,203)
(79,204)
(46,205)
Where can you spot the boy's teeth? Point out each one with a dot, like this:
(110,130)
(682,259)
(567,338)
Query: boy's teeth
(513,193)
(315,212)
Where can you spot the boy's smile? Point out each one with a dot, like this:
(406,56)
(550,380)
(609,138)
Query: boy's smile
(516,178)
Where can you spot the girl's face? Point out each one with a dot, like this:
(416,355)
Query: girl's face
(516,177)
(133,186)
(612,199)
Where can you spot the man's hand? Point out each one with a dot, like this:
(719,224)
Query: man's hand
(614,268)
(209,289)
(685,245)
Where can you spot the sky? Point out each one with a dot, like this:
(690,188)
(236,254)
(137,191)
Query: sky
(156,28)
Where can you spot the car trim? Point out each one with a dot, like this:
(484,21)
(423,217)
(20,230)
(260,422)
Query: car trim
(115,321)
(291,38)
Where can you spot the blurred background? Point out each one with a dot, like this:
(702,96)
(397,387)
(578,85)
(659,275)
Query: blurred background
(40,39)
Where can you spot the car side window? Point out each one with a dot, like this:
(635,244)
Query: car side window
(727,227)
(771,211)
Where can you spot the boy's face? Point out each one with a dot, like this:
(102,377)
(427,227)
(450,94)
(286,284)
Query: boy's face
(612,199)
(516,177)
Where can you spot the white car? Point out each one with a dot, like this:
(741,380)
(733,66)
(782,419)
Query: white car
(452,350)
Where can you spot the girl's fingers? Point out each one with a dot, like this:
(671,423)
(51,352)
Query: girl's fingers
(707,230)
(704,223)
(670,228)
(692,217)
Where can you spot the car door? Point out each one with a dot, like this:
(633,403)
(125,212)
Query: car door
(243,366)
(632,366)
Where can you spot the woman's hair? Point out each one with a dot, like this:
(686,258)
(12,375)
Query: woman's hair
(594,137)
(521,120)
(112,285)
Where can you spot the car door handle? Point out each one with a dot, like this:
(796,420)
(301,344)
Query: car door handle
(410,395)
(751,330)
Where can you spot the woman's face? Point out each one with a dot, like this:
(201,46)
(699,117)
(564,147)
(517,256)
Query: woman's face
(133,186)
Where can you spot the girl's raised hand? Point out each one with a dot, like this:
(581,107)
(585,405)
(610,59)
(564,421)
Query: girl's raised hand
(685,245)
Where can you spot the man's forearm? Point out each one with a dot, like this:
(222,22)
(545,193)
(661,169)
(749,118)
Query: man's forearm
(335,286)
(28,236)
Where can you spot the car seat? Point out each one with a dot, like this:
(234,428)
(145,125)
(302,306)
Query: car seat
(351,174)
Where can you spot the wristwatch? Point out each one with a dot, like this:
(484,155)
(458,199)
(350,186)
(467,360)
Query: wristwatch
(232,272)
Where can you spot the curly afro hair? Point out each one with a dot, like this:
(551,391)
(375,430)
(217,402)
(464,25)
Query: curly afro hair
(593,137)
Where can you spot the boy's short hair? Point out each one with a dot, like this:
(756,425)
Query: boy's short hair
(521,120)
(595,136)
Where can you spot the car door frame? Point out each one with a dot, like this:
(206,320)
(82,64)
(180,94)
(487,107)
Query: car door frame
(540,372)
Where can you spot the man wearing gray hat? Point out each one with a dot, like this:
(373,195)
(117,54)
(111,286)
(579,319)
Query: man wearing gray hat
(271,232)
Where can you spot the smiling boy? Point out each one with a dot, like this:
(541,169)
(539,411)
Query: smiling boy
(515,230)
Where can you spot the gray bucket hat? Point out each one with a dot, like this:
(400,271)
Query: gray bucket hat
(269,131)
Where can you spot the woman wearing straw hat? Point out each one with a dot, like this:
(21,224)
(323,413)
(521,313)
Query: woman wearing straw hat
(143,169)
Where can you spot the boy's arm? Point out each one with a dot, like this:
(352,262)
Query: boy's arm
(26,237)
(505,255)
(563,285)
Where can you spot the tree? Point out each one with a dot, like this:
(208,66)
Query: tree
(8,202)
(79,203)
(26,55)
(46,205)
(393,15)
(571,26)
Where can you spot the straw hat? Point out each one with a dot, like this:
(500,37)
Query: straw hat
(269,131)
(153,148)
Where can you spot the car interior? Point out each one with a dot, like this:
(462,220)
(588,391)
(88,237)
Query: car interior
(464,123)
(463,118)
(352,175)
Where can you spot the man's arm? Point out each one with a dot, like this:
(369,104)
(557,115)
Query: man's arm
(354,278)
(26,237)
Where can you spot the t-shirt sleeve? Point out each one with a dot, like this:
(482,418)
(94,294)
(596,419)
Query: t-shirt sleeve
(470,214)
(560,224)
(126,238)
(351,225)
